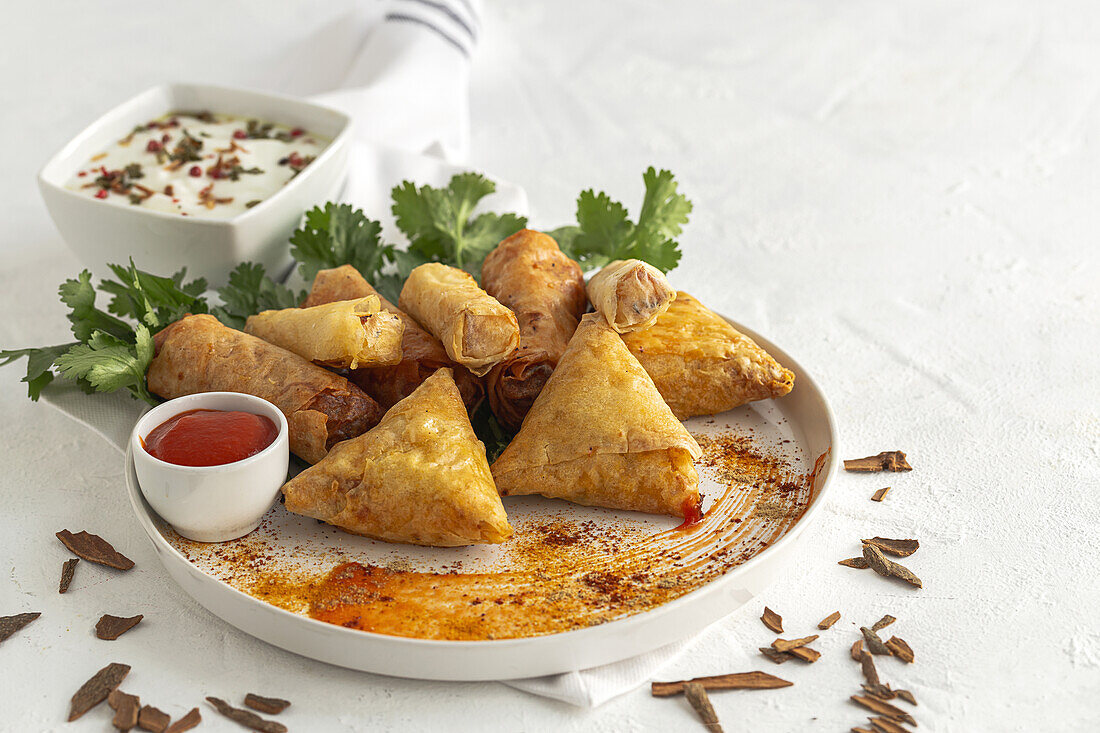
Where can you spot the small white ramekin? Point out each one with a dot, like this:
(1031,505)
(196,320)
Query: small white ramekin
(212,503)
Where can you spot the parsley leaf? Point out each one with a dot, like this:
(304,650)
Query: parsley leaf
(439,226)
(340,235)
(250,291)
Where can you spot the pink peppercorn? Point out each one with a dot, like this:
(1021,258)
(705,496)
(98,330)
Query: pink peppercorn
(152,147)
(296,132)
(240,134)
(101,193)
(195,171)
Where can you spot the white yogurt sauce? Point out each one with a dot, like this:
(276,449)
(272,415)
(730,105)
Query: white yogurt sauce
(198,164)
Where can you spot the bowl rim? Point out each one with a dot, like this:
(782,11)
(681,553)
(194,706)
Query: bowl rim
(330,151)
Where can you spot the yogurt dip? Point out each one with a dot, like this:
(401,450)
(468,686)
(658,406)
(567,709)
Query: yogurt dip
(198,164)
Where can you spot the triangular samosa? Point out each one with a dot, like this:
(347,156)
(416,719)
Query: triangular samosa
(701,364)
(420,476)
(600,434)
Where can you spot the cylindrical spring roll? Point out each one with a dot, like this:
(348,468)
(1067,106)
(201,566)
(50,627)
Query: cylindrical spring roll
(630,294)
(528,274)
(199,354)
(343,335)
(476,330)
(421,353)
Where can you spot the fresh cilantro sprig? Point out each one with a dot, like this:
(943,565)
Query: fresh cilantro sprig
(250,291)
(604,231)
(340,235)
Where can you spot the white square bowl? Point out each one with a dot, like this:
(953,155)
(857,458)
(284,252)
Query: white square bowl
(162,243)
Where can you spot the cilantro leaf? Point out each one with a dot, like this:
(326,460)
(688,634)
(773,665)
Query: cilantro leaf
(153,300)
(110,364)
(249,292)
(79,295)
(440,225)
(339,235)
(39,365)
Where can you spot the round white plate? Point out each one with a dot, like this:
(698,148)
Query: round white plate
(799,428)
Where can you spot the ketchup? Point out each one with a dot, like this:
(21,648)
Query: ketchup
(693,513)
(210,437)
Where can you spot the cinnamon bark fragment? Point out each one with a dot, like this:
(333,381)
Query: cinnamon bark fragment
(875,644)
(907,696)
(96,689)
(269,705)
(885,725)
(246,718)
(880,494)
(153,719)
(186,723)
(111,627)
(867,663)
(94,548)
(736,681)
(900,649)
(886,567)
(881,707)
(10,624)
(777,657)
(696,694)
(126,709)
(881,691)
(883,622)
(891,460)
(857,650)
(772,620)
(829,620)
(786,645)
(806,654)
(862,730)
(897,548)
(67,571)
(855,562)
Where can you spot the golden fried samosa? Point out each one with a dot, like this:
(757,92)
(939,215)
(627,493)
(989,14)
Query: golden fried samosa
(420,476)
(630,294)
(600,434)
(702,365)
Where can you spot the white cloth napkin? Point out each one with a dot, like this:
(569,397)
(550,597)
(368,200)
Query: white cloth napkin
(407,91)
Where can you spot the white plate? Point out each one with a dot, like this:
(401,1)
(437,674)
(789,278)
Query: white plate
(797,431)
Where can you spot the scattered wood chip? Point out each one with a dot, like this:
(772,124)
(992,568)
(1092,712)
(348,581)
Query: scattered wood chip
(829,620)
(785,645)
(94,548)
(67,571)
(269,705)
(126,709)
(857,650)
(777,657)
(883,622)
(153,719)
(875,644)
(10,624)
(862,730)
(859,563)
(772,620)
(96,689)
(880,494)
(867,662)
(891,460)
(900,649)
(885,725)
(806,654)
(245,717)
(907,696)
(881,691)
(897,548)
(882,707)
(886,567)
(737,681)
(111,627)
(187,722)
(696,694)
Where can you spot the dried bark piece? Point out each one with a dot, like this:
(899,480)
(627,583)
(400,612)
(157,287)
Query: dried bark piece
(94,548)
(806,654)
(867,662)
(785,645)
(886,567)
(900,649)
(897,548)
(269,705)
(246,718)
(829,620)
(10,624)
(777,657)
(881,691)
(67,571)
(736,681)
(126,709)
(862,730)
(891,460)
(96,689)
(857,650)
(883,622)
(187,722)
(153,719)
(696,694)
(859,563)
(885,725)
(875,644)
(772,620)
(882,707)
(111,627)
(880,494)
(907,696)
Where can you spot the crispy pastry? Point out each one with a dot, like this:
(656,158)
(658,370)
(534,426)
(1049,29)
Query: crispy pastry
(630,294)
(342,335)
(419,476)
(529,275)
(476,330)
(421,353)
(702,365)
(199,354)
(600,434)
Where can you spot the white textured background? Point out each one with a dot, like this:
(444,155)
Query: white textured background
(905,195)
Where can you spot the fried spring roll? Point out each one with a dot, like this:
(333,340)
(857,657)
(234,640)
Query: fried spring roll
(343,335)
(702,365)
(630,294)
(476,330)
(529,275)
(421,353)
(199,354)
